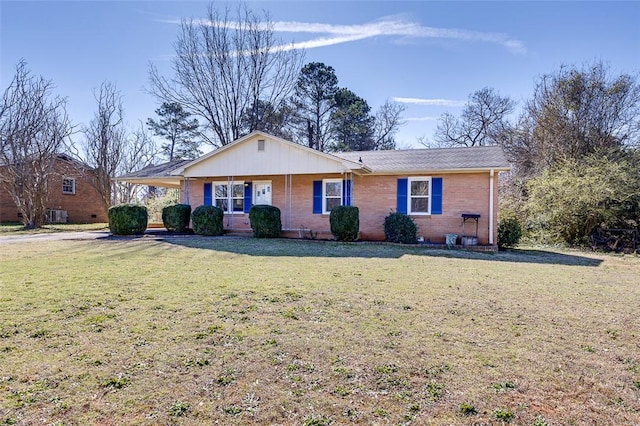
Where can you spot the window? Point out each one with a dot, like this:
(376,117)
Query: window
(68,186)
(419,195)
(229,196)
(331,194)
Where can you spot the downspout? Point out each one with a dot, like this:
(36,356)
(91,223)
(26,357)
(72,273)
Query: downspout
(491,224)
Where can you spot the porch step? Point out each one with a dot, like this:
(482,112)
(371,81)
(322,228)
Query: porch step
(238,232)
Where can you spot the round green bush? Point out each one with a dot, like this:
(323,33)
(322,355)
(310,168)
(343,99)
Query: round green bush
(127,219)
(265,221)
(509,232)
(345,223)
(207,220)
(400,228)
(176,217)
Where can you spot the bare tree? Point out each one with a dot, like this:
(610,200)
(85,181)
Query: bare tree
(388,120)
(576,112)
(222,67)
(105,141)
(482,121)
(34,129)
(138,152)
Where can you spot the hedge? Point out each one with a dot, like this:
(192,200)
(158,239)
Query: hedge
(265,221)
(207,220)
(127,219)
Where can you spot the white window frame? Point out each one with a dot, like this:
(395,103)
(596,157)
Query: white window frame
(229,198)
(73,185)
(410,197)
(324,193)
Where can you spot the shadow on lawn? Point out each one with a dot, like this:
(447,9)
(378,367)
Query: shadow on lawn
(321,248)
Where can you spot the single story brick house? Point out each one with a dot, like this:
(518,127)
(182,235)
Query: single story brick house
(436,187)
(71,198)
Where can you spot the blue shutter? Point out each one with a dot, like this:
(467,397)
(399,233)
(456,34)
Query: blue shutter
(403,184)
(317,197)
(346,192)
(436,195)
(207,194)
(247,196)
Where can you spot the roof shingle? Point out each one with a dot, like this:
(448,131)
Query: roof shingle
(428,160)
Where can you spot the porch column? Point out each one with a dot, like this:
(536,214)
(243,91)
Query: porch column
(491,196)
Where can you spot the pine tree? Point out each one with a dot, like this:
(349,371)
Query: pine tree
(178,129)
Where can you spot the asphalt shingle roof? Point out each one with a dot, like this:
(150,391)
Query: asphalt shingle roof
(157,171)
(434,159)
(392,161)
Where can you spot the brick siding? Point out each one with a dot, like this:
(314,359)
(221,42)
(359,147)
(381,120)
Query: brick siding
(82,207)
(375,196)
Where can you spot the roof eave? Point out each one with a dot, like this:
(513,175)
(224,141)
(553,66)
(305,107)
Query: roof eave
(164,182)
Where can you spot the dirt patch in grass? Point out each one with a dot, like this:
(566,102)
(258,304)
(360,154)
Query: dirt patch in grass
(290,332)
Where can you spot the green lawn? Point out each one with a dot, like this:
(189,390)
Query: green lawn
(194,330)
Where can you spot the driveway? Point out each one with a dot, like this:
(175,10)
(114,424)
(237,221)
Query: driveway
(54,236)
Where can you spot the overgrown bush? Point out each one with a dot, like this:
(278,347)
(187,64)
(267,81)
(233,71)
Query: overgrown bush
(176,217)
(127,219)
(207,220)
(345,223)
(566,203)
(509,232)
(265,221)
(158,199)
(400,228)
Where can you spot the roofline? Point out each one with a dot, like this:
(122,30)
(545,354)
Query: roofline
(444,171)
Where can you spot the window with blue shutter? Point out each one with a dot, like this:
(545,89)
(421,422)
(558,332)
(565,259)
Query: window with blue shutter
(436,195)
(415,194)
(317,197)
(207,194)
(247,196)
(401,206)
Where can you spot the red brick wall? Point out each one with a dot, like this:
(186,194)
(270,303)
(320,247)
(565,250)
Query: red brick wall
(375,196)
(461,193)
(82,207)
(8,209)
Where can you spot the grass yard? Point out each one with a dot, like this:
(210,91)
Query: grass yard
(239,331)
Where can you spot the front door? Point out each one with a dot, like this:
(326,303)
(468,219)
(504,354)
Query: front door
(262,193)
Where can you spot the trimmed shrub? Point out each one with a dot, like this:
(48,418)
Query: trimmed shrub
(265,221)
(509,232)
(207,220)
(127,219)
(176,217)
(345,223)
(400,228)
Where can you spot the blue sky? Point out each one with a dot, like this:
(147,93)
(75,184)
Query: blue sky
(429,55)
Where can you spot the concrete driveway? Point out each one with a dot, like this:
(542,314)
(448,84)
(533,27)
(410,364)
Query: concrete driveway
(54,236)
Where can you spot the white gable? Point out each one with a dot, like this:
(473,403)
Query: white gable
(262,154)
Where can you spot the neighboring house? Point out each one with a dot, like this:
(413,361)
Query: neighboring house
(71,197)
(433,186)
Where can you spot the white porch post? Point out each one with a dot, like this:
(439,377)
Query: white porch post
(491,224)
